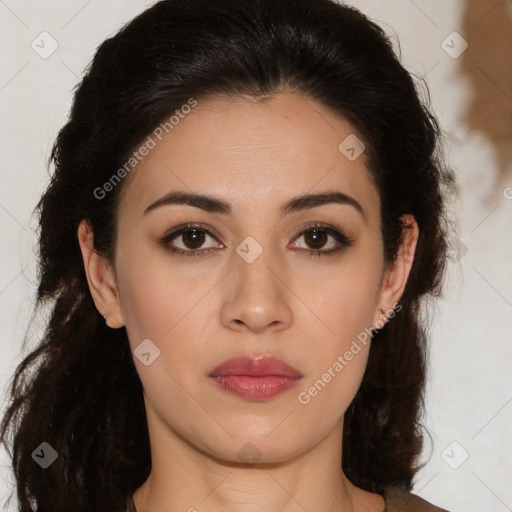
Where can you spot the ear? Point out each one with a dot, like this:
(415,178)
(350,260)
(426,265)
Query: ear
(396,274)
(100,277)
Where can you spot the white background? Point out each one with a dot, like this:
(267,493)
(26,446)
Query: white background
(469,391)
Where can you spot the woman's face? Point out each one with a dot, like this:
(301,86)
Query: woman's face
(247,285)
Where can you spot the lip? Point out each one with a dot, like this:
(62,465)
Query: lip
(255,378)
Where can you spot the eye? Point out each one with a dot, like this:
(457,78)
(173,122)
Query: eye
(188,240)
(317,235)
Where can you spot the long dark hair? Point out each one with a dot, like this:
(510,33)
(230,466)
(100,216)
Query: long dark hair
(78,390)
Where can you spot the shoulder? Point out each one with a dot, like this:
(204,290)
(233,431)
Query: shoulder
(400,500)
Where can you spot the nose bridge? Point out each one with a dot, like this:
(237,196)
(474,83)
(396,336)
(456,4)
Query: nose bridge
(257,297)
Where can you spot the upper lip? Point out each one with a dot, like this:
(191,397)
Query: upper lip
(255,367)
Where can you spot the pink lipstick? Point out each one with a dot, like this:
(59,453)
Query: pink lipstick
(256,379)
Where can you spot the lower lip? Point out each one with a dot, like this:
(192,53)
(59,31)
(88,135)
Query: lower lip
(256,388)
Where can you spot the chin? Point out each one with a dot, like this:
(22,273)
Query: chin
(251,450)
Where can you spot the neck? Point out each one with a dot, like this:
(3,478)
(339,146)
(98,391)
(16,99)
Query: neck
(186,478)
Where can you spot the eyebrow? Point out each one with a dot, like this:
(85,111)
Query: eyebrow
(216,205)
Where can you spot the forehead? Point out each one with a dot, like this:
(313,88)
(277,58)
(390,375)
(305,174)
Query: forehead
(251,152)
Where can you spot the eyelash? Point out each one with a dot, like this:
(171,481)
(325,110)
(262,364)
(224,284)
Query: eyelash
(343,240)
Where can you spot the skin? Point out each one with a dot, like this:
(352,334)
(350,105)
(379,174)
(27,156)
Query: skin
(200,311)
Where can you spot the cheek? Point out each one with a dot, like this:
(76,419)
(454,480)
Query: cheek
(161,305)
(345,296)
(345,302)
(172,309)
(154,297)
(338,363)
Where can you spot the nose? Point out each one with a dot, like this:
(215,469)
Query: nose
(256,296)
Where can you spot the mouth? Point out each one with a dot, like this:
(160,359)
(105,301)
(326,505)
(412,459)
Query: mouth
(255,379)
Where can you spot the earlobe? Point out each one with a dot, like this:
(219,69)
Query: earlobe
(397,273)
(100,277)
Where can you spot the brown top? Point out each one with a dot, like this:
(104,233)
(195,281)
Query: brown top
(397,500)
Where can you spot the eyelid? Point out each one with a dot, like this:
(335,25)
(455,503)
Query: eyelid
(328,228)
(338,234)
(192,225)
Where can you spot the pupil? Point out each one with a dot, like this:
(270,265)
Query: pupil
(318,237)
(196,237)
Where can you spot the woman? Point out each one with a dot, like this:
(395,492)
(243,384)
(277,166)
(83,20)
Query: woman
(198,355)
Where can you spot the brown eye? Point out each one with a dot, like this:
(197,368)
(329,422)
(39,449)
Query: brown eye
(315,238)
(189,241)
(193,238)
